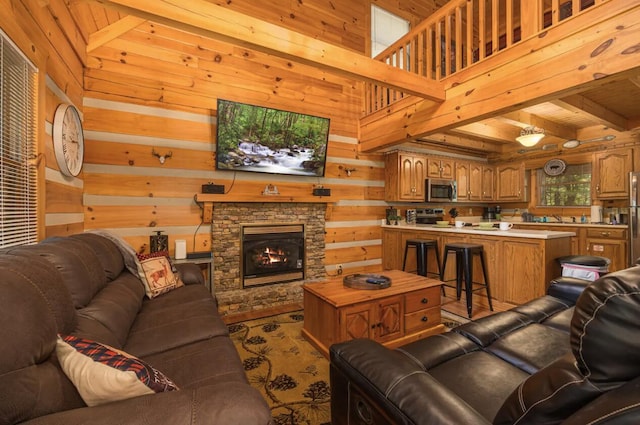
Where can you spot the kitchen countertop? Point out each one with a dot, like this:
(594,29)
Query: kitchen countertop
(474,230)
(554,224)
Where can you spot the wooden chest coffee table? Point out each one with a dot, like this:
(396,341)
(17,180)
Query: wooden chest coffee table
(406,311)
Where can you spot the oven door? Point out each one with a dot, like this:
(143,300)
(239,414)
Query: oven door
(441,190)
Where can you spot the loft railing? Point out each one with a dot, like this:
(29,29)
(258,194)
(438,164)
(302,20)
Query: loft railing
(465,32)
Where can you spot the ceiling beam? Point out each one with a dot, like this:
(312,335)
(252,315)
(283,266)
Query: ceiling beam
(113,31)
(524,119)
(220,23)
(584,106)
(487,131)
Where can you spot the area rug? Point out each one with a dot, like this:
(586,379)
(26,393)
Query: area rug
(289,372)
(291,375)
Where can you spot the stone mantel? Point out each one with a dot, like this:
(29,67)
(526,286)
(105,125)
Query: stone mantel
(207,200)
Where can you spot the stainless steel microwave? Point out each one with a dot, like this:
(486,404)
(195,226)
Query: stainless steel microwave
(440,190)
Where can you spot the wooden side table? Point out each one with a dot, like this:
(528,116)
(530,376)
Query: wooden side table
(406,311)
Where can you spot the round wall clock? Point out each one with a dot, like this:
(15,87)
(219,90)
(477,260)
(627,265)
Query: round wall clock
(68,140)
(554,167)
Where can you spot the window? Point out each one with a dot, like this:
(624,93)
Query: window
(18,173)
(386,29)
(571,188)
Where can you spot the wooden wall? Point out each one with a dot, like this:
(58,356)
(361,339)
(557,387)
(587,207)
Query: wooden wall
(155,88)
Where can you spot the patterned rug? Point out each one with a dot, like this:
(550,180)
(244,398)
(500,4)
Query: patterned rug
(291,375)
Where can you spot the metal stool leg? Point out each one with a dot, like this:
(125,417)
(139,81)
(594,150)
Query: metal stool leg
(468,277)
(404,262)
(421,259)
(486,280)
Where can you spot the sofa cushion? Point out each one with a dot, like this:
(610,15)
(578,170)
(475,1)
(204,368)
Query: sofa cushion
(77,263)
(35,305)
(102,374)
(604,348)
(107,252)
(180,317)
(156,273)
(111,313)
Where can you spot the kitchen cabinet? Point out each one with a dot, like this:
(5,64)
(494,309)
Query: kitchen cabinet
(440,168)
(611,174)
(463,177)
(609,243)
(601,241)
(519,268)
(510,182)
(475,181)
(488,183)
(404,177)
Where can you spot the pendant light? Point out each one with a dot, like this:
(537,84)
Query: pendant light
(529,136)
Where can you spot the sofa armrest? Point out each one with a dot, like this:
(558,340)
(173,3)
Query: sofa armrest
(190,273)
(224,403)
(372,382)
(567,288)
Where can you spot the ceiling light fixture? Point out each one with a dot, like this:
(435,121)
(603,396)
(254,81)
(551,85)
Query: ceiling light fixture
(530,135)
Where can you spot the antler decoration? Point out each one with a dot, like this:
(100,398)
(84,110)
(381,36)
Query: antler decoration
(161,158)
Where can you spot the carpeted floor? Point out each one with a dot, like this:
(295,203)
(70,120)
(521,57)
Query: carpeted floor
(292,376)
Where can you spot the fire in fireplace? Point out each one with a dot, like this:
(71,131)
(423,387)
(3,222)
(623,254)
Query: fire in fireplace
(272,254)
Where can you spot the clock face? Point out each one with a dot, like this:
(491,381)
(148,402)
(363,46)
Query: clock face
(68,140)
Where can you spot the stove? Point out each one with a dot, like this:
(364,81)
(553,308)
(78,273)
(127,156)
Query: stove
(429,215)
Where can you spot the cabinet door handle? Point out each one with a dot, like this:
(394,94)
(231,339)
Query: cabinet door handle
(424,318)
(424,300)
(605,233)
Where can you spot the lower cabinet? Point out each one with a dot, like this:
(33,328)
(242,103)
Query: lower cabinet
(518,269)
(608,241)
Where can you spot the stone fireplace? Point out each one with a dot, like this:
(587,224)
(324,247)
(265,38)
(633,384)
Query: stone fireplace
(271,254)
(231,222)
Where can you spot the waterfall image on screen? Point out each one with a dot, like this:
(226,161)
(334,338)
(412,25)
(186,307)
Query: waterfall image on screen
(266,140)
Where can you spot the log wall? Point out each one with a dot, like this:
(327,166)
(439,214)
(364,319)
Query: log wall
(154,89)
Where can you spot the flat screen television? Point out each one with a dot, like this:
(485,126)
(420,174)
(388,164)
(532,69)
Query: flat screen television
(265,140)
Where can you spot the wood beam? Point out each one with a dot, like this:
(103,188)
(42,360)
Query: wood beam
(541,69)
(113,31)
(488,131)
(585,106)
(210,20)
(523,119)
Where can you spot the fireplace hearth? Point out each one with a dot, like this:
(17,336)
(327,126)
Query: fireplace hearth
(272,254)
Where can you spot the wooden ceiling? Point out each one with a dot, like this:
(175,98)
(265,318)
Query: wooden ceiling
(609,109)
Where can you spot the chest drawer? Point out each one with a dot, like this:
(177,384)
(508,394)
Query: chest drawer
(421,319)
(422,299)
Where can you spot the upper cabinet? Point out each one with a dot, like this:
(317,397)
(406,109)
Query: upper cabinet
(440,168)
(404,177)
(475,181)
(463,177)
(510,182)
(611,173)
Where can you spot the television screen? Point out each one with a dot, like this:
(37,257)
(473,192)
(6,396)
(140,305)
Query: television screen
(266,140)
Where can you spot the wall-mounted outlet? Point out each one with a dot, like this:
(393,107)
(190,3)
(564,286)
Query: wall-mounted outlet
(339,268)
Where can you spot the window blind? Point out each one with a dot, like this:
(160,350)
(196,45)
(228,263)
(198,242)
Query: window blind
(18,146)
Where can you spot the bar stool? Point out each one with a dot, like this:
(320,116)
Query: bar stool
(422,249)
(464,266)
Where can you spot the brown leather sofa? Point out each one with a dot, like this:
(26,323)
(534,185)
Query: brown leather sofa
(571,357)
(79,285)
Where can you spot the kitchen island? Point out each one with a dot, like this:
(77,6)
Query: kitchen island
(520,262)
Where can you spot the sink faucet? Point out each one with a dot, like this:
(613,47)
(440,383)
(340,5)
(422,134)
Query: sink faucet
(558,217)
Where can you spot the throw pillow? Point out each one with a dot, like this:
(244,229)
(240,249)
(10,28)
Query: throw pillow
(102,374)
(156,273)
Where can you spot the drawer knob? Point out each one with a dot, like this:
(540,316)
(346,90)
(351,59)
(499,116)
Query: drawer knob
(424,318)
(424,301)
